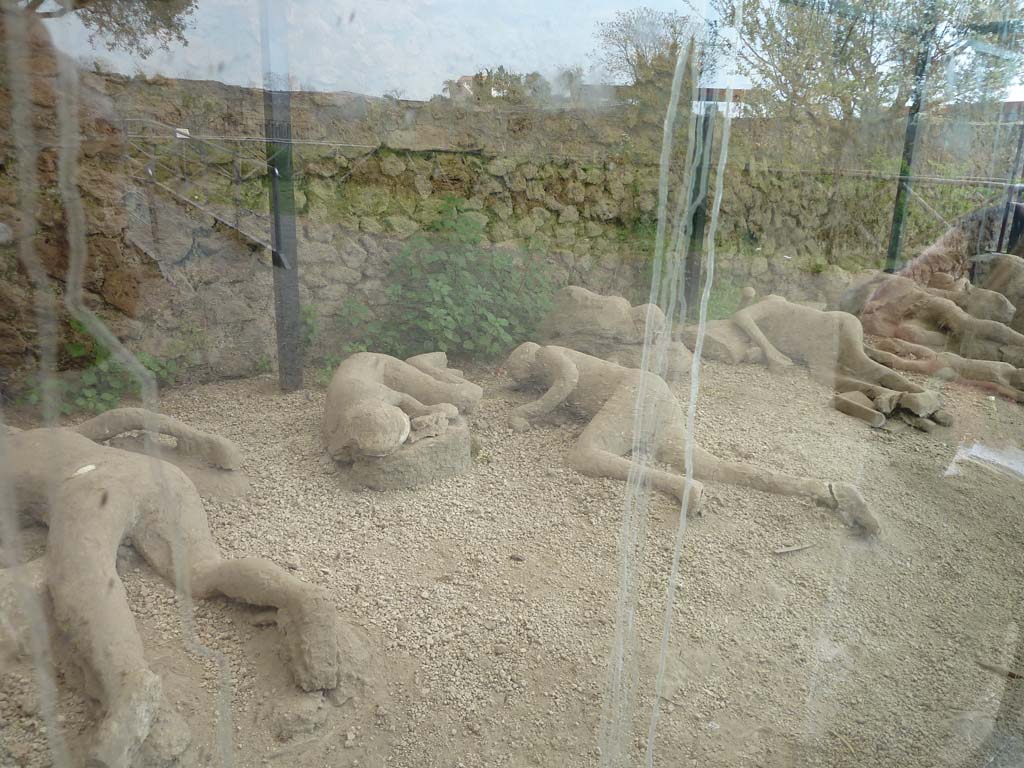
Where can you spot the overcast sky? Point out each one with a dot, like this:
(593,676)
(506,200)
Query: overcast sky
(377,46)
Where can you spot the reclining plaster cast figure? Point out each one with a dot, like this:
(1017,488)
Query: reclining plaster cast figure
(606,394)
(970,323)
(609,328)
(931,295)
(377,403)
(1004,274)
(105,496)
(831,344)
(1001,378)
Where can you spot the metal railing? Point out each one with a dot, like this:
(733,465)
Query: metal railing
(151,164)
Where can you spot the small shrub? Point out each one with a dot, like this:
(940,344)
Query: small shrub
(310,326)
(724,300)
(101,382)
(448,292)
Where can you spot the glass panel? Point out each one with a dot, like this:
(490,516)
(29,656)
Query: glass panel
(584,384)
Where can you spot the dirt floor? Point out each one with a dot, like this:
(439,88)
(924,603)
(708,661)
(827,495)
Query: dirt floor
(488,600)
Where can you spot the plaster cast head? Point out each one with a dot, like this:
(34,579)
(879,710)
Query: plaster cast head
(379,429)
(466,396)
(520,363)
(989,305)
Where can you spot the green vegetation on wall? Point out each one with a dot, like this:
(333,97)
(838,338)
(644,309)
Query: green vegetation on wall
(447,291)
(96,382)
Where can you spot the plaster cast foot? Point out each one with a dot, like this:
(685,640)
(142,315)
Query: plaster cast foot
(311,642)
(853,509)
(127,722)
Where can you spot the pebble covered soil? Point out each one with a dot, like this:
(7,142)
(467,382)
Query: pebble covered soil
(488,599)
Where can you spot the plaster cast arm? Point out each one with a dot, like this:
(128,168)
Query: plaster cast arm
(567,377)
(746,321)
(414,408)
(194,442)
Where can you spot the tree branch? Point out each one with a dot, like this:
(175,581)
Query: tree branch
(77,5)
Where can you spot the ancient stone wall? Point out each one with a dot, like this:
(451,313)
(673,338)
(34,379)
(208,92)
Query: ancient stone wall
(577,186)
(115,271)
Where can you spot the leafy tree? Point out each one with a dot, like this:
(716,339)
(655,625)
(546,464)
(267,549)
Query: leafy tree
(837,77)
(501,84)
(450,88)
(537,88)
(834,59)
(570,82)
(135,26)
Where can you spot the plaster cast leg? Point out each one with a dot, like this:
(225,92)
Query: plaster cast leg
(998,333)
(215,449)
(988,375)
(429,390)
(842,497)
(90,604)
(306,615)
(435,365)
(854,360)
(917,335)
(590,459)
(608,439)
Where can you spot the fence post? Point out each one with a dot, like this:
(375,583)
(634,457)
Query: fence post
(277,113)
(1012,195)
(698,197)
(899,214)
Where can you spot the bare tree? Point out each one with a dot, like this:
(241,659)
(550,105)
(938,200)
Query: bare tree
(641,45)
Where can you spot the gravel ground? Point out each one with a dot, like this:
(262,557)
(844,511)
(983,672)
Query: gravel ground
(489,598)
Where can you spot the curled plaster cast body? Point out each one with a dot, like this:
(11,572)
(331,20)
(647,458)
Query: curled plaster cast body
(376,403)
(606,394)
(106,496)
(950,256)
(1004,274)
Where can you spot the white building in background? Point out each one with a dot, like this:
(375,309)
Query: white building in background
(717,97)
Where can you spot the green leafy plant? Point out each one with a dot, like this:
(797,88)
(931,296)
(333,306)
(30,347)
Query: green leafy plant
(96,381)
(165,371)
(310,326)
(448,292)
(326,371)
(362,330)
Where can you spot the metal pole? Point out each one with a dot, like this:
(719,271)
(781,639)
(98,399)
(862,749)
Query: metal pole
(899,214)
(1012,192)
(695,256)
(277,113)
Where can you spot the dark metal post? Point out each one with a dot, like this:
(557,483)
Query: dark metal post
(1012,193)
(899,214)
(698,195)
(277,112)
